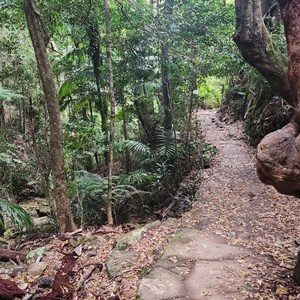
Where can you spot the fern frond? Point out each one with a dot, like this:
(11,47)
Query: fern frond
(136,147)
(14,214)
(136,177)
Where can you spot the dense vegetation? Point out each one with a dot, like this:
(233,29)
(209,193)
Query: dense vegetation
(164,66)
(127,131)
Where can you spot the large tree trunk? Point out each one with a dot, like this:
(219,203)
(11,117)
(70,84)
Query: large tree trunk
(39,40)
(278,154)
(256,46)
(112,116)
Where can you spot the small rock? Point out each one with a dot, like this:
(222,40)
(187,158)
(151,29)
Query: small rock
(36,269)
(41,221)
(231,234)
(92,253)
(45,282)
(78,250)
(297,241)
(16,270)
(119,260)
(159,249)
(134,236)
(244,235)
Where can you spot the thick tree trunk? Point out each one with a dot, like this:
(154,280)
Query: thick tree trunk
(150,126)
(112,116)
(290,12)
(38,37)
(278,154)
(256,46)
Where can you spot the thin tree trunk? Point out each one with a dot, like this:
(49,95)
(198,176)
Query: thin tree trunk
(39,40)
(166,87)
(2,115)
(191,102)
(168,118)
(112,115)
(101,103)
(127,152)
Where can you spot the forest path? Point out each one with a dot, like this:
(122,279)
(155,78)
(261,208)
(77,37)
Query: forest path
(238,240)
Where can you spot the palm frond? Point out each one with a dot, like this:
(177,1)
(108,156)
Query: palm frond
(165,145)
(11,213)
(136,147)
(136,177)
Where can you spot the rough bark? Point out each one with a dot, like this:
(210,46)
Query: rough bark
(2,115)
(101,103)
(256,46)
(39,41)
(168,118)
(150,126)
(112,115)
(13,255)
(290,12)
(278,154)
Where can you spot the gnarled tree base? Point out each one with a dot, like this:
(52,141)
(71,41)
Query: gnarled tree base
(278,160)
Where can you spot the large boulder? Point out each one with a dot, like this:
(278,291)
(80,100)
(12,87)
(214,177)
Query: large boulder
(278,159)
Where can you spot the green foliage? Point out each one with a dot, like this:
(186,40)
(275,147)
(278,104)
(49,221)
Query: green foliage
(210,92)
(136,177)
(136,147)
(91,190)
(8,95)
(12,214)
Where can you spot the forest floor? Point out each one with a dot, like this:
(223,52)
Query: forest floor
(237,242)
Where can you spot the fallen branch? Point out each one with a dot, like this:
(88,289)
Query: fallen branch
(87,274)
(13,255)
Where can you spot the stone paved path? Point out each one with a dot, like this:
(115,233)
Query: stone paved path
(203,260)
(199,264)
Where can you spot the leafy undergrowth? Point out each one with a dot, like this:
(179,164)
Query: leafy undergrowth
(75,264)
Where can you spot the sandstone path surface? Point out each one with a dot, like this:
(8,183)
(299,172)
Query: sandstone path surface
(238,240)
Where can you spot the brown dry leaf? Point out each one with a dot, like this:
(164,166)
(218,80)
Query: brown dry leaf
(281,291)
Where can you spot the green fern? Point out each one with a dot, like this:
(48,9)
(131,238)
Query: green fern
(165,145)
(13,214)
(136,147)
(136,177)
